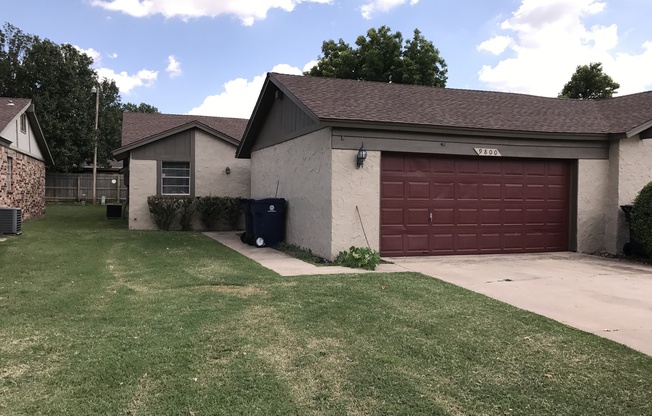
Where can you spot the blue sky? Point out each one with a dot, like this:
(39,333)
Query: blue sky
(210,56)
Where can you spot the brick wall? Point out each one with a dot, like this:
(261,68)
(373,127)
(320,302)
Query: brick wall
(28,184)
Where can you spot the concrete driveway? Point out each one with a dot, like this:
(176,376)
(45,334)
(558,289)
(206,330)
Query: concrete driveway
(607,297)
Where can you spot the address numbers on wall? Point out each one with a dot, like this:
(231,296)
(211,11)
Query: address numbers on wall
(485,151)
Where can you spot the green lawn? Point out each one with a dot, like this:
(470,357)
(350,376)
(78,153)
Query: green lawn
(96,319)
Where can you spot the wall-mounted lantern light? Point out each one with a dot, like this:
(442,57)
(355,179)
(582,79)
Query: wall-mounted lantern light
(228,170)
(362,155)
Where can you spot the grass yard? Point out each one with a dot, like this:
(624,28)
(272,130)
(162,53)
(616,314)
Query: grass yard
(99,320)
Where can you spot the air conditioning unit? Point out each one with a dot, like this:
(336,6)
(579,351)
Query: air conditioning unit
(11,220)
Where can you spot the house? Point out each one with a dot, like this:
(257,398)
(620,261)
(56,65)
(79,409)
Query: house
(447,171)
(180,155)
(24,154)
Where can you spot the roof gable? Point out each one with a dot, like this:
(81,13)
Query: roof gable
(10,108)
(139,129)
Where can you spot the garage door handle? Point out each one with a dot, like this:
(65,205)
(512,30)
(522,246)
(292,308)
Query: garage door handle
(431,217)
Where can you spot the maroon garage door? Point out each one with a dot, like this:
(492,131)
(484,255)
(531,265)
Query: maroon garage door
(433,205)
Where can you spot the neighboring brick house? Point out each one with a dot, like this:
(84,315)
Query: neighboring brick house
(447,171)
(182,156)
(24,155)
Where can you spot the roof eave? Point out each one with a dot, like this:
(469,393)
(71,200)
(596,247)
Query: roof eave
(461,131)
(38,133)
(639,129)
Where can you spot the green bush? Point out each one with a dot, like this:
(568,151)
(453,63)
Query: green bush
(641,217)
(163,210)
(210,210)
(231,209)
(215,208)
(186,211)
(359,258)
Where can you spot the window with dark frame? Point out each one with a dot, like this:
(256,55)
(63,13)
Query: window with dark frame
(175,178)
(23,123)
(10,163)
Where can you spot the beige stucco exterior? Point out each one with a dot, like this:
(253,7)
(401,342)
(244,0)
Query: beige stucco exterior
(142,183)
(301,169)
(355,201)
(592,186)
(632,171)
(212,157)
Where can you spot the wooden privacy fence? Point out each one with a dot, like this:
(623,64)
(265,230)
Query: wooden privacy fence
(69,187)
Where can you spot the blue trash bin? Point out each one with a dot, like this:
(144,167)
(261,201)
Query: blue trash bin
(268,221)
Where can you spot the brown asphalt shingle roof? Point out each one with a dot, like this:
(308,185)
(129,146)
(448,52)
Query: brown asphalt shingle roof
(8,112)
(361,101)
(139,126)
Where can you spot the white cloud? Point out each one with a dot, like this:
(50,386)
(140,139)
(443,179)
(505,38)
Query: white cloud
(247,11)
(174,67)
(382,6)
(496,45)
(548,39)
(97,57)
(114,55)
(127,82)
(307,67)
(239,96)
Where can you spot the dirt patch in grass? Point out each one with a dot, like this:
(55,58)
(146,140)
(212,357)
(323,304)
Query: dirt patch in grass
(314,368)
(240,291)
(13,371)
(142,388)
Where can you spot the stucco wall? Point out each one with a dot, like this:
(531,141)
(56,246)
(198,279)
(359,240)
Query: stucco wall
(355,191)
(28,184)
(212,156)
(593,181)
(302,169)
(634,171)
(142,183)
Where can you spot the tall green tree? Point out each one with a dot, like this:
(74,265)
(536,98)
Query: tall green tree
(589,82)
(383,56)
(139,108)
(58,79)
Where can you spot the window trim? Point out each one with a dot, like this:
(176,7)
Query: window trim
(23,123)
(10,174)
(162,178)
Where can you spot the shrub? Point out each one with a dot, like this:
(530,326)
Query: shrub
(215,208)
(641,218)
(163,210)
(209,208)
(231,209)
(359,257)
(186,211)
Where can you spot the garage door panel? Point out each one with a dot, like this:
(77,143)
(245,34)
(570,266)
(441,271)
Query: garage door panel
(418,164)
(442,166)
(491,191)
(443,191)
(513,192)
(467,216)
(478,205)
(417,243)
(418,190)
(392,190)
(467,191)
(392,216)
(417,216)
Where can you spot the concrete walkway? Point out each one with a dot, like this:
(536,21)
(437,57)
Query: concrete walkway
(286,265)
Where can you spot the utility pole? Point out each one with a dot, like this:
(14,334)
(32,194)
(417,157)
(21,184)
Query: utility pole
(95,90)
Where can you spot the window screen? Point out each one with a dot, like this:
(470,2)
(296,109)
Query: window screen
(175,178)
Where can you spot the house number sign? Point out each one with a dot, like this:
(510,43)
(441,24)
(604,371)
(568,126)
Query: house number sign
(485,151)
